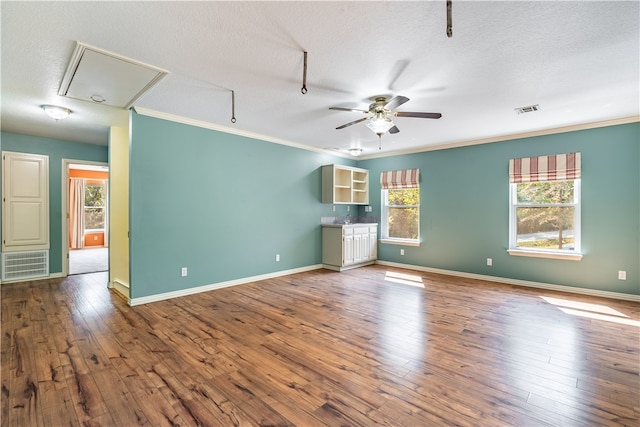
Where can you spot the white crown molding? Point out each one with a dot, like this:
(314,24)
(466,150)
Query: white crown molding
(226,129)
(542,132)
(202,124)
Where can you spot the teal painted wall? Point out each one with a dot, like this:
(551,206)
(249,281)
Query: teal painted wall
(221,205)
(56,150)
(224,205)
(464,209)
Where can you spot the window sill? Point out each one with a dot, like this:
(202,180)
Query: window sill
(403,242)
(546,254)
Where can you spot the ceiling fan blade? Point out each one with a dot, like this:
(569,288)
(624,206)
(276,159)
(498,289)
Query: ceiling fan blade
(419,115)
(352,123)
(394,129)
(396,102)
(355,110)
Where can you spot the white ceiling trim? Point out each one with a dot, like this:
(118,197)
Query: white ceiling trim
(226,129)
(573,128)
(206,125)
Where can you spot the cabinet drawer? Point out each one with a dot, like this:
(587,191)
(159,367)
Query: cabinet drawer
(347,231)
(361,230)
(373,229)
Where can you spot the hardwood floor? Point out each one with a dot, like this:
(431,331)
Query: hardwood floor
(370,346)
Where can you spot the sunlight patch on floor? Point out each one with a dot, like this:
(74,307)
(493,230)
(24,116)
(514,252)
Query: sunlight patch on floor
(405,279)
(591,311)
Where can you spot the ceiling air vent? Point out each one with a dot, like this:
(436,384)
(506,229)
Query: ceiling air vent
(528,109)
(102,77)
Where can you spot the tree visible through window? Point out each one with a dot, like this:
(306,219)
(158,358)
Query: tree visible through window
(546,215)
(402,213)
(94,206)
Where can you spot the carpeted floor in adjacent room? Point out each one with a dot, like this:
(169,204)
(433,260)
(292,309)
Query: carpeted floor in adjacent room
(88,260)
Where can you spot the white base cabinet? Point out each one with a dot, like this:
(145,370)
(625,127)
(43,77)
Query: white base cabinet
(349,246)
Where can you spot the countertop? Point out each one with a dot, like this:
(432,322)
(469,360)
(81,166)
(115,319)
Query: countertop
(355,223)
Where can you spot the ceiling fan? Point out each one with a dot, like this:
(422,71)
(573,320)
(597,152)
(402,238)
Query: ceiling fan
(380,114)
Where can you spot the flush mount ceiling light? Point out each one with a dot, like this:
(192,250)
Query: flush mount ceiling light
(355,151)
(55,112)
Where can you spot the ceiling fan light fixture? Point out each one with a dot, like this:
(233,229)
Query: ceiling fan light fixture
(380,125)
(55,112)
(355,151)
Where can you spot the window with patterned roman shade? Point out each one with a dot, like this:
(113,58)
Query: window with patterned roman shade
(400,213)
(557,167)
(407,178)
(544,214)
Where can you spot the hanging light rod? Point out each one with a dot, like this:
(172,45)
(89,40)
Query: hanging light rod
(233,106)
(55,112)
(449,24)
(304,75)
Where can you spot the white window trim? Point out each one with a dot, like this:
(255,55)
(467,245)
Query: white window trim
(384,224)
(402,242)
(545,254)
(103,183)
(574,255)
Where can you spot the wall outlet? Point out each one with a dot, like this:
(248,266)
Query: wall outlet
(367,209)
(334,208)
(622,275)
(401,251)
(348,208)
(183,272)
(277,257)
(489,262)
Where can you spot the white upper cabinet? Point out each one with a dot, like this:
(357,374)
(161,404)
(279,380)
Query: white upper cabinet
(345,185)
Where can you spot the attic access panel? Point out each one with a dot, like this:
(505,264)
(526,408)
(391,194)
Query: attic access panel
(98,76)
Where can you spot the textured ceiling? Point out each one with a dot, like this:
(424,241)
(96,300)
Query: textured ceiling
(578,60)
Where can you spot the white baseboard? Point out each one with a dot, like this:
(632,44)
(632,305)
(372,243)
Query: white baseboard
(121,288)
(517,282)
(348,267)
(220,285)
(118,282)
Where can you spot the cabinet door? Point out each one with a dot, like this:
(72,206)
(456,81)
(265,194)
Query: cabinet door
(373,246)
(357,248)
(366,248)
(25,207)
(347,250)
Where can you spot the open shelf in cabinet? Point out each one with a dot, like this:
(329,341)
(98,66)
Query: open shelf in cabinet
(345,185)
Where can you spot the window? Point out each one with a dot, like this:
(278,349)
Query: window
(400,207)
(545,206)
(94,206)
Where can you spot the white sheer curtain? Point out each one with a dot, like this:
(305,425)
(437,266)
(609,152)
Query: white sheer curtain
(76,213)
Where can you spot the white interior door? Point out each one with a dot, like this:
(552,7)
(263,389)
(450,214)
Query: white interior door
(25,207)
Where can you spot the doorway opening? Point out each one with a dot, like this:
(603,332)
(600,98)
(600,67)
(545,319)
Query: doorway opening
(87,223)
